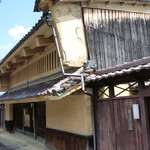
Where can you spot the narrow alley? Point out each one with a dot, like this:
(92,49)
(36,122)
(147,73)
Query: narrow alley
(18,141)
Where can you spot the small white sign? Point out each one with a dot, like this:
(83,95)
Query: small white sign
(136,111)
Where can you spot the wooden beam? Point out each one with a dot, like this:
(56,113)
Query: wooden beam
(10,69)
(3,70)
(42,41)
(19,58)
(30,52)
(146,92)
(4,82)
(43,5)
(14,65)
(9,64)
(144,120)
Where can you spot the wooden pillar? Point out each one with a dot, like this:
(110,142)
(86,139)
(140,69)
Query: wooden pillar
(23,118)
(143,116)
(34,120)
(9,122)
(94,99)
(111,91)
(111,96)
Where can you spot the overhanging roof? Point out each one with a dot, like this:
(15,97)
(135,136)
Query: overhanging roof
(36,5)
(52,90)
(37,25)
(61,87)
(138,69)
(41,5)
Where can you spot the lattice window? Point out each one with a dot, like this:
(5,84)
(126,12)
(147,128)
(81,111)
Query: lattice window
(103,92)
(125,89)
(43,65)
(120,90)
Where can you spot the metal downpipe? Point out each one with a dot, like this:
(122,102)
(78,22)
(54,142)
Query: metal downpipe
(48,21)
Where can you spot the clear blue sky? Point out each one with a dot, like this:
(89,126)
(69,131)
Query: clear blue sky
(16,19)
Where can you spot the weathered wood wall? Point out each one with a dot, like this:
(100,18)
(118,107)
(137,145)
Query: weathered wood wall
(115,37)
(59,140)
(115,129)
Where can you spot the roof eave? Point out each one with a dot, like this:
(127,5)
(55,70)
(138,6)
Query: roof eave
(40,22)
(41,5)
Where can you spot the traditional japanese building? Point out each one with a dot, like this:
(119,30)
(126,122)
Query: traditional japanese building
(80,79)
(43,96)
(117,39)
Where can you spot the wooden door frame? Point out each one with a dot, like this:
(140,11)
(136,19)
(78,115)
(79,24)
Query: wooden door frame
(35,118)
(143,92)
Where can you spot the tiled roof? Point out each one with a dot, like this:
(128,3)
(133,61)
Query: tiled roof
(60,85)
(51,88)
(121,72)
(27,92)
(36,5)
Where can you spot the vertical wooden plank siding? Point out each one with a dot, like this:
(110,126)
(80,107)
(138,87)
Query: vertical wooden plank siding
(112,126)
(104,128)
(60,140)
(115,37)
(125,139)
(144,119)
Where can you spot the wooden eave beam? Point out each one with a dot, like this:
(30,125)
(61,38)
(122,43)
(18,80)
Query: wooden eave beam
(3,70)
(74,0)
(7,68)
(14,65)
(30,52)
(10,69)
(9,64)
(134,2)
(43,5)
(41,41)
(4,74)
(19,58)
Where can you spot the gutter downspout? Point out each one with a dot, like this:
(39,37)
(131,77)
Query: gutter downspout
(47,17)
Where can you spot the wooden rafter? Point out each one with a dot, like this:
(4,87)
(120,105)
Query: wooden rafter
(19,58)
(30,52)
(9,64)
(42,41)
(14,65)
(43,5)
(3,70)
